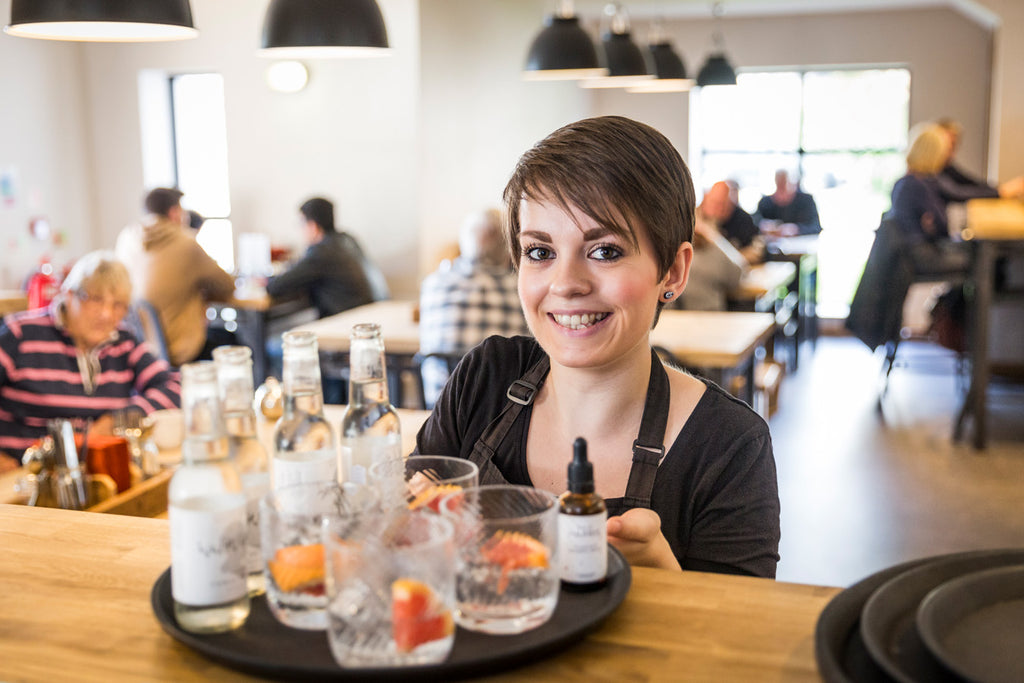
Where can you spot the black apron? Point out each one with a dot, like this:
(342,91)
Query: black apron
(648,449)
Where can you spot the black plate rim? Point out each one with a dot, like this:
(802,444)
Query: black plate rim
(842,615)
(876,639)
(508,651)
(951,590)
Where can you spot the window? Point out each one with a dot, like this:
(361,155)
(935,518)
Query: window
(842,131)
(184,145)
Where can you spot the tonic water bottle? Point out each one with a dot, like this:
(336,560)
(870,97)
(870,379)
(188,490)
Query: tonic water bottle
(304,446)
(206,507)
(370,430)
(234,378)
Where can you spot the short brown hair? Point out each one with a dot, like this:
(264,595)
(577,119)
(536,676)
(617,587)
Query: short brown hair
(161,200)
(613,169)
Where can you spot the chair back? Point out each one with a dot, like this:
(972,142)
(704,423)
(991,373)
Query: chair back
(432,371)
(144,322)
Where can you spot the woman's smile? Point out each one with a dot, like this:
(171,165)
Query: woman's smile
(578,321)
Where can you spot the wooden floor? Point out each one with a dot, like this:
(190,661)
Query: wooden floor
(863,487)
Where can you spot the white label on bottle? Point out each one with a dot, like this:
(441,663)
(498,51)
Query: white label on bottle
(582,547)
(208,549)
(306,467)
(256,485)
(360,453)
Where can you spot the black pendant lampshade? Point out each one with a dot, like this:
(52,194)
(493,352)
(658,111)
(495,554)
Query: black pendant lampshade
(102,20)
(716,71)
(668,68)
(625,61)
(324,28)
(562,51)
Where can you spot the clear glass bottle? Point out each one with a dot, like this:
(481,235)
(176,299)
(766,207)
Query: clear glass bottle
(582,527)
(370,430)
(304,446)
(234,379)
(207,515)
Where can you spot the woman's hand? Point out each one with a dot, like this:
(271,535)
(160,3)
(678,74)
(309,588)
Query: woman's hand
(637,535)
(102,426)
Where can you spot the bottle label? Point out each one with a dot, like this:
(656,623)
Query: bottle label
(208,537)
(582,547)
(256,485)
(360,453)
(305,467)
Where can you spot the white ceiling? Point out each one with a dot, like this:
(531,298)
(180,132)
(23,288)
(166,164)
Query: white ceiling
(747,8)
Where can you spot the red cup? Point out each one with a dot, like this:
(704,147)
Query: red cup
(109,455)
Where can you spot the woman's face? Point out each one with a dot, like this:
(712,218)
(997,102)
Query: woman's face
(92,315)
(589,296)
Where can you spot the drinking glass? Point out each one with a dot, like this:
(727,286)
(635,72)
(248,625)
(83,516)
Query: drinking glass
(291,522)
(421,480)
(507,578)
(391,590)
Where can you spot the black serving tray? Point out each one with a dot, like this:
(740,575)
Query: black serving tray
(265,647)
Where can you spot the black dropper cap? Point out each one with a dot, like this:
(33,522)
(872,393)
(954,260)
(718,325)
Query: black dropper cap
(581,471)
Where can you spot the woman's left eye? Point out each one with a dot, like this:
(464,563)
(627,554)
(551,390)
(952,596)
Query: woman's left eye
(606,252)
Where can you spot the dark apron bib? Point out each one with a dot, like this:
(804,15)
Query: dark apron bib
(648,449)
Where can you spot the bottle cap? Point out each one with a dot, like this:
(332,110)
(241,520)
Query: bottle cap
(581,470)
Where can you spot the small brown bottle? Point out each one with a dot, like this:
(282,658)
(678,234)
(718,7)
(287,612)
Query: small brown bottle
(582,531)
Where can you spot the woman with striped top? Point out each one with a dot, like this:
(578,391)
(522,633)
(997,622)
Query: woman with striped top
(74,360)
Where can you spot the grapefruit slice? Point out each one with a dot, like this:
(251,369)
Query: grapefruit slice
(417,616)
(299,568)
(431,497)
(513,550)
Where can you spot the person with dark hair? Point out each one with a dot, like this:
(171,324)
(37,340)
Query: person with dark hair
(600,217)
(333,274)
(171,271)
(787,211)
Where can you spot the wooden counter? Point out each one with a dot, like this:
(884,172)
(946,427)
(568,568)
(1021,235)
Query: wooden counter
(12,301)
(76,606)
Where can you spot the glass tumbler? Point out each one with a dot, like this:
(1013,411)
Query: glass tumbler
(291,528)
(421,480)
(391,589)
(507,578)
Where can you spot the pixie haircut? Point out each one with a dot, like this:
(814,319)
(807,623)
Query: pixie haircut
(623,174)
(97,272)
(161,200)
(320,211)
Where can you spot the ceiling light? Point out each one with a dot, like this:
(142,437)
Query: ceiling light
(716,70)
(667,66)
(311,29)
(287,76)
(626,65)
(102,20)
(562,50)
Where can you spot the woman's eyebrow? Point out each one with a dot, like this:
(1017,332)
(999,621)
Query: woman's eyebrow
(535,235)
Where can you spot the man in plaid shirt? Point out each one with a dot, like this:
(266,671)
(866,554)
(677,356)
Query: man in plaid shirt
(469,299)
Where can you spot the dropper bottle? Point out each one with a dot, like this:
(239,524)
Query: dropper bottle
(582,530)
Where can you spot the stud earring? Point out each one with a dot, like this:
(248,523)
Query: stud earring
(669,295)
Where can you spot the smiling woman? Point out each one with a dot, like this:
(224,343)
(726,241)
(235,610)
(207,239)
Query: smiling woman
(600,218)
(74,360)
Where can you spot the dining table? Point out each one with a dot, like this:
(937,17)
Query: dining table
(994,229)
(12,301)
(719,344)
(76,606)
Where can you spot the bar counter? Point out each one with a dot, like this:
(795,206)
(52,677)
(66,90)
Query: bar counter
(75,592)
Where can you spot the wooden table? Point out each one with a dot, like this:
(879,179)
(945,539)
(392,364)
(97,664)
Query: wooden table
(400,328)
(719,344)
(76,591)
(994,227)
(12,301)
(764,279)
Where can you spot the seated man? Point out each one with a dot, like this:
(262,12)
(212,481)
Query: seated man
(176,275)
(716,269)
(333,274)
(787,211)
(469,299)
(721,208)
(74,360)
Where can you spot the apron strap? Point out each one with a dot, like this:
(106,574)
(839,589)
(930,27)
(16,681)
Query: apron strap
(520,393)
(649,447)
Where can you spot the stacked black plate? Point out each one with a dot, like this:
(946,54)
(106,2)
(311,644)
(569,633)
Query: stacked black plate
(953,617)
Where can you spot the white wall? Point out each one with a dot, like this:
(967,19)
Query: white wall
(44,141)
(350,135)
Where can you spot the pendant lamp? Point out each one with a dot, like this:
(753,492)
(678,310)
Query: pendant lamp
(626,65)
(562,50)
(296,29)
(716,70)
(666,65)
(102,20)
